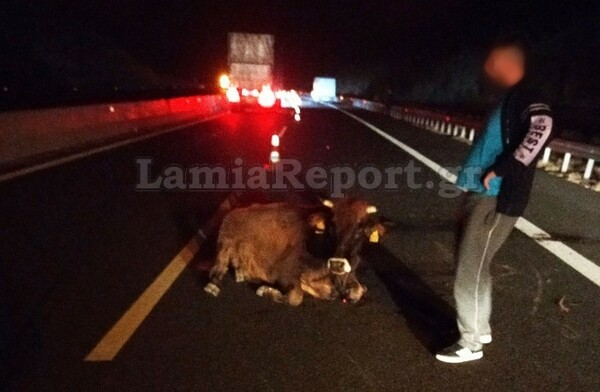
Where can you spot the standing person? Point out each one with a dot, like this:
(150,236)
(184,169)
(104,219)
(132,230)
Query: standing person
(497,175)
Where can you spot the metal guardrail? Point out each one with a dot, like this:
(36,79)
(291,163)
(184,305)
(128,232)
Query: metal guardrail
(466,128)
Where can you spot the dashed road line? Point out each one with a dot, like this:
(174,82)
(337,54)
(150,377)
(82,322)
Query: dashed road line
(565,253)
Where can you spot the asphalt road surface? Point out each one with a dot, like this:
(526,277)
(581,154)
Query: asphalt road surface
(79,245)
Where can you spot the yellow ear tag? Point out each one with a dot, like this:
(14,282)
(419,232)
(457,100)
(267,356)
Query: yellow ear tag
(374,237)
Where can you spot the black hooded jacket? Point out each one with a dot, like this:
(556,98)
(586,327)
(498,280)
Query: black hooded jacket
(527,125)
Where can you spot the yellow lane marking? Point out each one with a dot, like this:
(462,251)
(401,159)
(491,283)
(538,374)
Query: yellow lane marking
(110,345)
(112,342)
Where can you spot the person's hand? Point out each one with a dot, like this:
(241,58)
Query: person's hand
(486,180)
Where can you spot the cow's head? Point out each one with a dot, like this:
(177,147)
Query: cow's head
(354,222)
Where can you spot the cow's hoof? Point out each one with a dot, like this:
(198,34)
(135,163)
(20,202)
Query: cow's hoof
(262,290)
(239,277)
(212,289)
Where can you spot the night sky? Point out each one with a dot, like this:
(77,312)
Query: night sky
(186,39)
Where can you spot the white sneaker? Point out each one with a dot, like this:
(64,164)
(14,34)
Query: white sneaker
(458,354)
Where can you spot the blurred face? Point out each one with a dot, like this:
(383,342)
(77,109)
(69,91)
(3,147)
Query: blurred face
(505,66)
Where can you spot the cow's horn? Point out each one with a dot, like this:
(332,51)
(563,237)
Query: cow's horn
(371,209)
(328,203)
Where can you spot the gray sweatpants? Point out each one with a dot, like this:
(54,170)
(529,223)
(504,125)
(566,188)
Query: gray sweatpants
(484,233)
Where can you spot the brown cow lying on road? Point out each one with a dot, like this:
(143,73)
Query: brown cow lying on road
(268,243)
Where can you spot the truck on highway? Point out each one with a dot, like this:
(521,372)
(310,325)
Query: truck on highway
(324,89)
(251,58)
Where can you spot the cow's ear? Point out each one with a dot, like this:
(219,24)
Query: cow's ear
(379,229)
(317,222)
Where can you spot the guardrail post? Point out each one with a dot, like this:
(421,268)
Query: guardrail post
(587,174)
(446,126)
(566,161)
(546,157)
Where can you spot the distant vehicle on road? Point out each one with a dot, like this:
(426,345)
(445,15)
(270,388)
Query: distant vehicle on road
(324,89)
(251,59)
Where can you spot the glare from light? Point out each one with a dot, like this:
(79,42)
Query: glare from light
(291,99)
(275,140)
(266,97)
(274,157)
(224,82)
(233,95)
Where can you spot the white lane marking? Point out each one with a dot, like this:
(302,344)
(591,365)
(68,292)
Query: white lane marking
(568,255)
(84,154)
(448,175)
(572,258)
(110,345)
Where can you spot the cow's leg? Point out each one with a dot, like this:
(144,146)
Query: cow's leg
(270,292)
(293,296)
(218,271)
(240,276)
